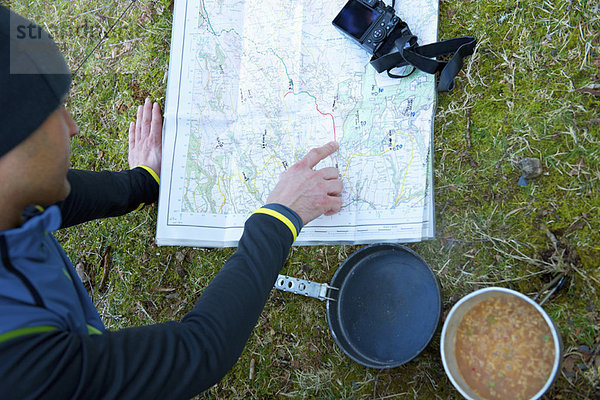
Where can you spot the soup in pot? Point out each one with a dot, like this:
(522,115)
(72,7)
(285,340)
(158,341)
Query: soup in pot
(504,348)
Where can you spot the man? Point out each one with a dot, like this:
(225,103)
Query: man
(53,343)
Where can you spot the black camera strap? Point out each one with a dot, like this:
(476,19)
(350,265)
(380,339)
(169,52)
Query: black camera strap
(422,57)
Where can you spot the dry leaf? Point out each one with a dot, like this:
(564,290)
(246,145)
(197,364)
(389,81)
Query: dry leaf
(569,363)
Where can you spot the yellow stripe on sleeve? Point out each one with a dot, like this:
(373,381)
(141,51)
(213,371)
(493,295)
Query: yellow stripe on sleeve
(280,217)
(151,172)
(156,178)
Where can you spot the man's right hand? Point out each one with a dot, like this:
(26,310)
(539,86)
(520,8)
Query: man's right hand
(145,138)
(308,192)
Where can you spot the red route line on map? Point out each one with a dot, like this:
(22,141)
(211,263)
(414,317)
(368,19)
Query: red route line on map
(320,112)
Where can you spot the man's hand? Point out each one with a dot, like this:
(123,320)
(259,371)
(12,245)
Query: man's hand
(310,193)
(145,137)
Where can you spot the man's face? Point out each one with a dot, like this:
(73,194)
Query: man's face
(46,158)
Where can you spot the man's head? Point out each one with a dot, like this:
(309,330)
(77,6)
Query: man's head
(35,128)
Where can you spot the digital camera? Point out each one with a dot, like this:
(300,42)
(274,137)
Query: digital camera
(377,29)
(371,23)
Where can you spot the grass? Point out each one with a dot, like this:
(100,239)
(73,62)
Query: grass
(522,94)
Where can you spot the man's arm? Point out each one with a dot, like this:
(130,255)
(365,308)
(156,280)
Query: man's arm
(173,360)
(108,194)
(177,360)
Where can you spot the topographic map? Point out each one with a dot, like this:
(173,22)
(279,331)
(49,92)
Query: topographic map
(253,85)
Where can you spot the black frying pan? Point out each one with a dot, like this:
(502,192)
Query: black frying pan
(383,304)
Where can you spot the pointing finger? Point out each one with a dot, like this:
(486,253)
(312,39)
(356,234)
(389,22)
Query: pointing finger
(317,154)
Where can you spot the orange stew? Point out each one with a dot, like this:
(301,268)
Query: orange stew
(504,348)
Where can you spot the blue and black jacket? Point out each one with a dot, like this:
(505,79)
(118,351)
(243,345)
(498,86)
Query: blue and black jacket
(53,343)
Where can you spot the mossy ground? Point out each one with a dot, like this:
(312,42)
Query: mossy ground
(526,92)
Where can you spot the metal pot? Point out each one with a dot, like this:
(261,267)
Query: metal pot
(449,334)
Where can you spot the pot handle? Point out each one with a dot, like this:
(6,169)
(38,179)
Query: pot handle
(303,287)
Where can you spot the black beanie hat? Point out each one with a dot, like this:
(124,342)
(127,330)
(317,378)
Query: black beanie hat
(34,78)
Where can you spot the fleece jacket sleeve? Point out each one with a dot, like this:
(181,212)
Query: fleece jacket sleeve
(172,360)
(107,194)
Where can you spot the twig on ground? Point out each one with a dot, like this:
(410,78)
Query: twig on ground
(105,265)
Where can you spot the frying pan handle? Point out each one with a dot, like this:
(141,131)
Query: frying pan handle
(303,287)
